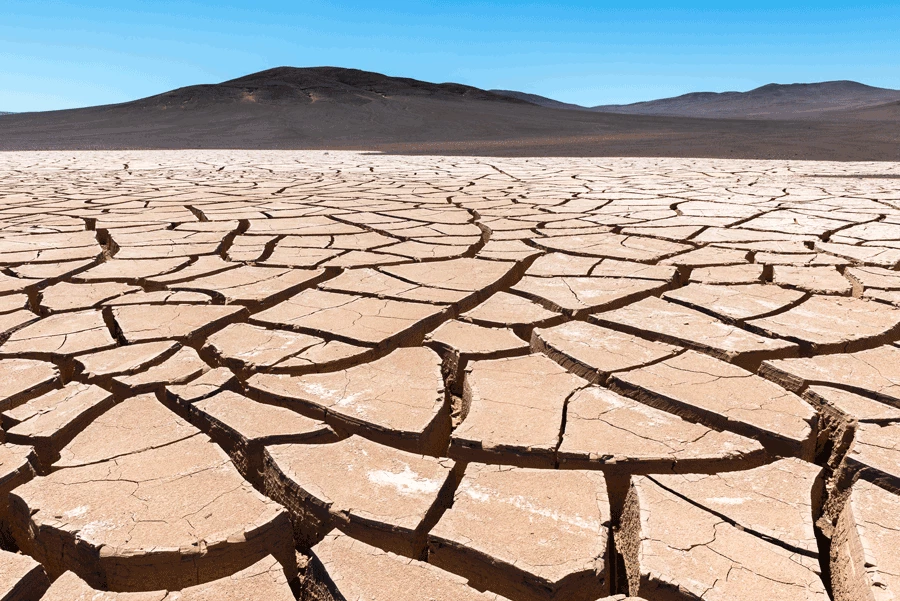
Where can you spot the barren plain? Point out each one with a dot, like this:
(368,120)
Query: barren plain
(329,108)
(281,375)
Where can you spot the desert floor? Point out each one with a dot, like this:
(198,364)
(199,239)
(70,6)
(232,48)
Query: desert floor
(277,375)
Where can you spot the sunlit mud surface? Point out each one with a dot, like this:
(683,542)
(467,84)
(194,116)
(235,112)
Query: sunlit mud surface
(336,376)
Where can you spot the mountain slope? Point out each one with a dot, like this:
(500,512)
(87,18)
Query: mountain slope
(889,112)
(540,100)
(292,86)
(772,101)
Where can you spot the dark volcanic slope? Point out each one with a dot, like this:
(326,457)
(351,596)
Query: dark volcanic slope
(773,101)
(540,100)
(292,86)
(328,108)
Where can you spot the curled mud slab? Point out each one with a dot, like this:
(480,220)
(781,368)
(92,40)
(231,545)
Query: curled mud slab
(329,376)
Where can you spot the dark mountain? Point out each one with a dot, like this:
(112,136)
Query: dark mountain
(773,101)
(5,113)
(331,108)
(540,100)
(293,86)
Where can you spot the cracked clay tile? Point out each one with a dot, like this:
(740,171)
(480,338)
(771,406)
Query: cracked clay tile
(397,400)
(874,372)
(144,323)
(47,423)
(367,321)
(734,303)
(60,335)
(593,352)
(21,379)
(724,396)
(674,324)
(670,544)
(243,426)
(615,434)
(778,501)
(382,496)
(360,571)
(562,553)
(513,411)
(577,296)
(834,324)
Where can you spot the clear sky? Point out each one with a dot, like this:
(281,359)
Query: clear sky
(63,54)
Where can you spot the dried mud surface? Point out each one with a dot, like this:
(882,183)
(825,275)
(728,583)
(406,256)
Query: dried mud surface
(334,376)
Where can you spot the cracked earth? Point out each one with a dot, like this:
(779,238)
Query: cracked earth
(323,376)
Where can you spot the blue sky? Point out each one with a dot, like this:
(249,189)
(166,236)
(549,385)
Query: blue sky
(67,54)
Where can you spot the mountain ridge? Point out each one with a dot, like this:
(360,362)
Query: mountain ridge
(307,85)
(541,100)
(771,101)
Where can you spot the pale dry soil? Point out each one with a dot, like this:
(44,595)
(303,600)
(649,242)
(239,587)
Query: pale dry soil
(236,375)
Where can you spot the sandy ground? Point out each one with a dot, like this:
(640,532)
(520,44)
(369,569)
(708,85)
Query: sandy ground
(437,126)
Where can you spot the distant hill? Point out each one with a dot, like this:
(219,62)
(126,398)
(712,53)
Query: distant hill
(293,86)
(540,100)
(334,108)
(5,113)
(773,101)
